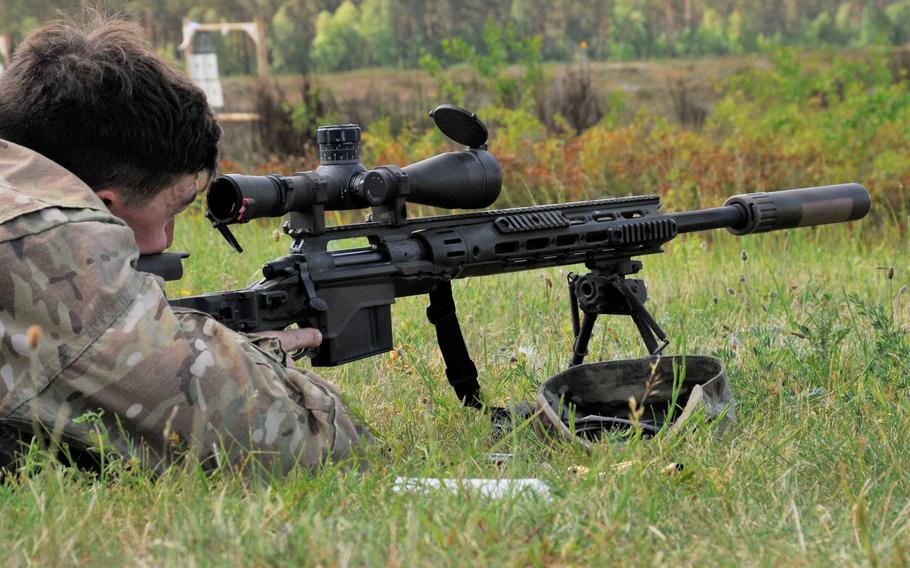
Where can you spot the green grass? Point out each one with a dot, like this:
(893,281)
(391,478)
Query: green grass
(813,333)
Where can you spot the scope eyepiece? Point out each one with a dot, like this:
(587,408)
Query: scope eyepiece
(234,198)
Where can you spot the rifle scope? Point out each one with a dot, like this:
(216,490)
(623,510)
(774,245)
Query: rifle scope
(466,179)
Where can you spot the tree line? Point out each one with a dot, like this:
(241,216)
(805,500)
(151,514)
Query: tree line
(336,35)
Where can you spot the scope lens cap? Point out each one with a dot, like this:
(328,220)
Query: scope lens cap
(460,125)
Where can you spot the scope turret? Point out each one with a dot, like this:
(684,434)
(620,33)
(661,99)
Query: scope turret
(338,144)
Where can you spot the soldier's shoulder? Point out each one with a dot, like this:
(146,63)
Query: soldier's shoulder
(36,194)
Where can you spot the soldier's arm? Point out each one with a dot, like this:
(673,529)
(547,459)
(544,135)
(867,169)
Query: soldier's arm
(164,381)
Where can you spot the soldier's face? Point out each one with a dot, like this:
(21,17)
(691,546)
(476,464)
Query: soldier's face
(153,222)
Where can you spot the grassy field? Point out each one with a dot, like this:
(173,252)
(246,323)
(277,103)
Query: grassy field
(406,90)
(810,323)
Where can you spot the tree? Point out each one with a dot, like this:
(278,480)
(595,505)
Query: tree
(291,35)
(629,34)
(378,30)
(339,44)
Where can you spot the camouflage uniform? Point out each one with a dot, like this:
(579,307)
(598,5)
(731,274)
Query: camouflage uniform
(167,380)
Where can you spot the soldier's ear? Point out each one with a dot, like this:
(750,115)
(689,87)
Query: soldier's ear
(109,197)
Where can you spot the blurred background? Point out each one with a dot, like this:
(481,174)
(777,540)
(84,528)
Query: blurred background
(690,99)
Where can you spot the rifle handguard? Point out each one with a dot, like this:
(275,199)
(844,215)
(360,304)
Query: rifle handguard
(800,207)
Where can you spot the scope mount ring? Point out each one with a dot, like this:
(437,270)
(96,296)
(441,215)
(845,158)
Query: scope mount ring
(461,125)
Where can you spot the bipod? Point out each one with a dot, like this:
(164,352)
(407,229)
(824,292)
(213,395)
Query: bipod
(606,290)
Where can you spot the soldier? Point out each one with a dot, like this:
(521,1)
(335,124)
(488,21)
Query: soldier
(102,146)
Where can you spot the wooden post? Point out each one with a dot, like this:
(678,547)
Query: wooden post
(149,30)
(187,50)
(258,37)
(262,54)
(5,45)
(256,32)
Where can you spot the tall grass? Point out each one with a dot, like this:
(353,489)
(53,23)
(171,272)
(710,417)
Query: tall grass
(810,323)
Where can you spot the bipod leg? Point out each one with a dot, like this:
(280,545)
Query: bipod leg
(647,326)
(647,335)
(580,349)
(573,302)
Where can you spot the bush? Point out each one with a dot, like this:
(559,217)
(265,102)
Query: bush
(289,128)
(571,101)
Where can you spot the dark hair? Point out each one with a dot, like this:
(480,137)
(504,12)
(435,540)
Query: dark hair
(98,101)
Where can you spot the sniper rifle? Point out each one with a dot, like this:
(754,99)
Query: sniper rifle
(348,294)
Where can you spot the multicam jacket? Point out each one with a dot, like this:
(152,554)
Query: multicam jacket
(162,380)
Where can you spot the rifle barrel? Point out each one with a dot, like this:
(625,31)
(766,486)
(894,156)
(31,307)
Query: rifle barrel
(706,219)
(761,212)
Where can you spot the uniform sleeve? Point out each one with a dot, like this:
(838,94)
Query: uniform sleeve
(166,382)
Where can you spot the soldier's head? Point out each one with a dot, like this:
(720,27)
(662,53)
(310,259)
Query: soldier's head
(99,101)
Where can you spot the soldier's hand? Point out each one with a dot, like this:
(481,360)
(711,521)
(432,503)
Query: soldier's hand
(294,339)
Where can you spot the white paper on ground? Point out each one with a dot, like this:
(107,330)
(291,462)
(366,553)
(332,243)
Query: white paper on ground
(493,488)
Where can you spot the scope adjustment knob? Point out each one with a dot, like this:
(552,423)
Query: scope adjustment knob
(339,144)
(370,187)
